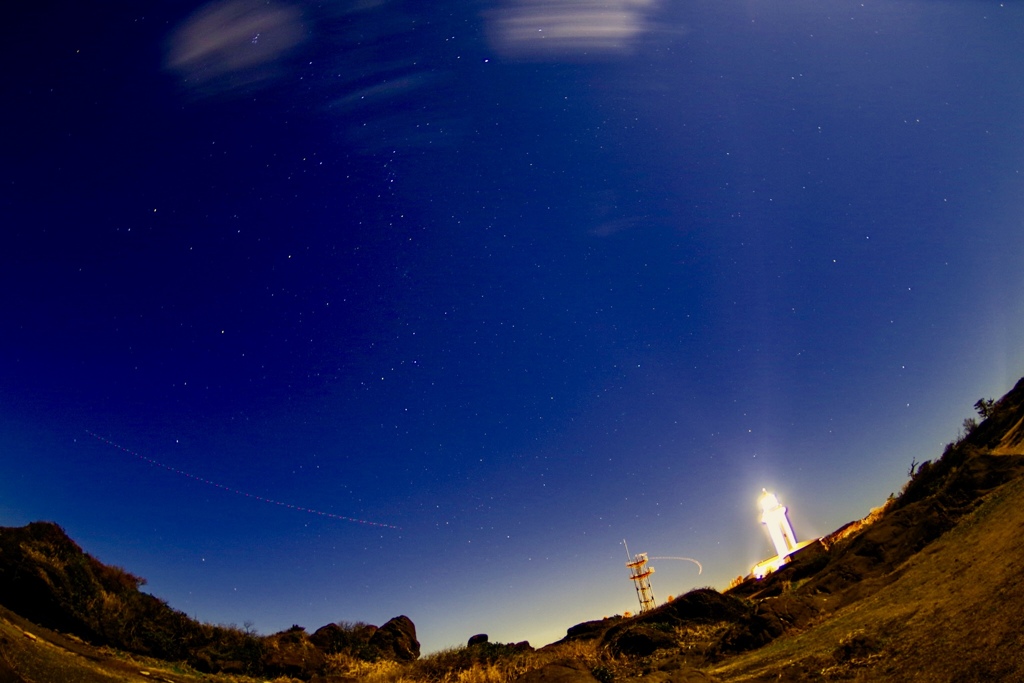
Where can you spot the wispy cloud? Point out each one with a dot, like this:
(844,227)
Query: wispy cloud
(545,29)
(233,43)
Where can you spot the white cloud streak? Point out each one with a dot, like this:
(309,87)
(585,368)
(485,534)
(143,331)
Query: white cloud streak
(542,29)
(230,43)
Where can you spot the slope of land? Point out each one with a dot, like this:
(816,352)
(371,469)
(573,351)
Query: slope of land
(952,612)
(926,588)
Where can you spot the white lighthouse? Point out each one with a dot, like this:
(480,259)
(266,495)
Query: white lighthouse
(773,516)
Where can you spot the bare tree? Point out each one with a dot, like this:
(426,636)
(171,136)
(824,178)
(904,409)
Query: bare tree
(985,407)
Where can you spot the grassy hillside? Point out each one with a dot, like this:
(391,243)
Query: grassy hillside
(952,612)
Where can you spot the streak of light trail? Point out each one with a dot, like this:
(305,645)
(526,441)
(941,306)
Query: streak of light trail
(261,499)
(700,568)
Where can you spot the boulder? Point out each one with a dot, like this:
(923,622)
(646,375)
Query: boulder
(334,638)
(327,637)
(589,630)
(397,640)
(290,653)
(478,639)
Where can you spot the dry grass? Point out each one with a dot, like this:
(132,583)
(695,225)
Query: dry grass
(697,641)
(495,663)
(383,671)
(491,663)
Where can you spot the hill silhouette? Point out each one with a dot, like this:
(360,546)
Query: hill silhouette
(47,579)
(926,588)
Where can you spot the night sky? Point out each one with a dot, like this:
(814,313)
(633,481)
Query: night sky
(487,287)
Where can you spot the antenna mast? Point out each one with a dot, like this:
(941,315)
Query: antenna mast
(639,574)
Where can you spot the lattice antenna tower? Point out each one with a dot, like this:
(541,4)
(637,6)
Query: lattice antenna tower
(640,575)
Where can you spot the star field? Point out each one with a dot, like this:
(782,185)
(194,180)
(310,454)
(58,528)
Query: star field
(510,280)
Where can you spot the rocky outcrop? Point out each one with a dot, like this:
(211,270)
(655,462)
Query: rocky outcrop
(290,653)
(397,640)
(352,639)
